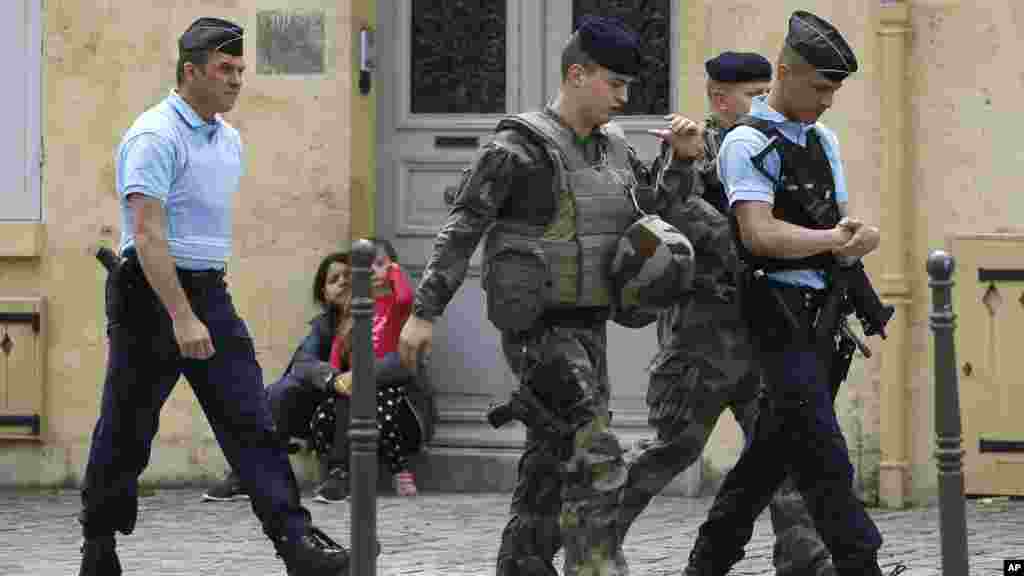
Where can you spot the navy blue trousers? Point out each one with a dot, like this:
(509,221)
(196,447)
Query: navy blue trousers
(797,430)
(143,365)
(292,405)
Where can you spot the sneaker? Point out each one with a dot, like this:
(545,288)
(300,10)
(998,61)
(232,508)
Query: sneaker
(334,489)
(405,484)
(99,558)
(315,554)
(227,490)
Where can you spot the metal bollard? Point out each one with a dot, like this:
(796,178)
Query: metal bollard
(948,452)
(363,432)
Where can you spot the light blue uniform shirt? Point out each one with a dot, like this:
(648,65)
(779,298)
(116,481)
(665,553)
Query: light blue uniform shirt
(743,181)
(193,168)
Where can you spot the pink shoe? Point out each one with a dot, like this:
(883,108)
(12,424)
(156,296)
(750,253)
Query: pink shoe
(405,484)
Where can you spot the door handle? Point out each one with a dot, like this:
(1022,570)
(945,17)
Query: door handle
(456,141)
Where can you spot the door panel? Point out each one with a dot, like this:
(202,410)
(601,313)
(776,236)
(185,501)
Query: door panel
(989,304)
(449,72)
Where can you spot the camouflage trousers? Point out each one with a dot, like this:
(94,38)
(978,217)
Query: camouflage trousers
(568,488)
(685,399)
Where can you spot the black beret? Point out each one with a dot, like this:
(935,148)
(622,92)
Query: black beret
(212,34)
(821,45)
(611,44)
(739,67)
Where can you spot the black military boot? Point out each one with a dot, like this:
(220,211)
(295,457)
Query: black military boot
(315,554)
(703,562)
(99,557)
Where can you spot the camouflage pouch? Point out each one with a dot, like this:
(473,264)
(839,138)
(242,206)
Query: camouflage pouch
(515,282)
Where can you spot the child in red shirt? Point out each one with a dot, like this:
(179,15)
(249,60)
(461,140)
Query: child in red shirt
(393,296)
(392,305)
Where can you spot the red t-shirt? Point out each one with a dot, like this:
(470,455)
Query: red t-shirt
(390,311)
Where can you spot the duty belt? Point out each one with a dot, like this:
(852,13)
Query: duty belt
(799,304)
(584,317)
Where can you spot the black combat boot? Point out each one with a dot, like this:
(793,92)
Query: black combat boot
(315,554)
(703,561)
(99,557)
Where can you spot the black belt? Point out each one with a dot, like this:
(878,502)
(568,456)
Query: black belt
(799,296)
(799,304)
(588,317)
(131,259)
(207,275)
(192,281)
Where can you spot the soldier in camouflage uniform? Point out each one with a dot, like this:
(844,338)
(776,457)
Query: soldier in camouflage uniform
(705,362)
(551,181)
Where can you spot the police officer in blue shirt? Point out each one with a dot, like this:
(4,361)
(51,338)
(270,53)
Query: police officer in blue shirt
(784,179)
(169,314)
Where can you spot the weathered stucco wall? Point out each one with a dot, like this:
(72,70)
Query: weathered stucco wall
(966,84)
(103,65)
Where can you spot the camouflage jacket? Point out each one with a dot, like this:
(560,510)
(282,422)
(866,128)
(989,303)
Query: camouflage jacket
(708,327)
(511,178)
(709,186)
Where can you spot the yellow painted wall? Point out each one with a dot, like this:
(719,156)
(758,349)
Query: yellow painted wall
(965,89)
(363,147)
(105,64)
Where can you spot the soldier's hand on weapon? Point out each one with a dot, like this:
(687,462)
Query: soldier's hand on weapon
(864,240)
(684,135)
(417,336)
(192,336)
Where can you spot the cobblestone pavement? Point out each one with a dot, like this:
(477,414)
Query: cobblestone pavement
(449,534)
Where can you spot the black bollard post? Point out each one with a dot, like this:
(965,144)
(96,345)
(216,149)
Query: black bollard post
(363,432)
(948,452)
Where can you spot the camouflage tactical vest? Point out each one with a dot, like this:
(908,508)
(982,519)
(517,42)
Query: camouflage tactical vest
(528,269)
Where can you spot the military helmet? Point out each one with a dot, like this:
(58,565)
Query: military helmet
(651,270)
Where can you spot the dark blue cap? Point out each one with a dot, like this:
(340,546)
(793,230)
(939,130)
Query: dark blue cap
(212,34)
(821,45)
(739,67)
(610,43)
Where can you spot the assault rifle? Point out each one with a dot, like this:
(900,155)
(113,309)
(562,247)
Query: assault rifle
(851,292)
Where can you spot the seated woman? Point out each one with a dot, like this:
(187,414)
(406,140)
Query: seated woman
(319,376)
